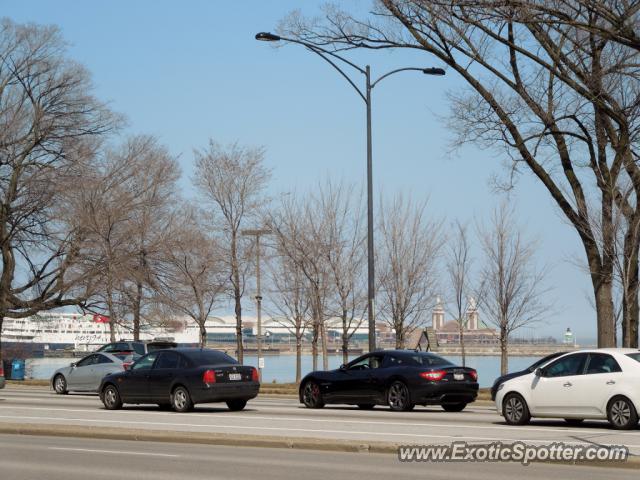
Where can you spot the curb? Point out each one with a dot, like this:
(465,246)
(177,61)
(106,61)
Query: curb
(238,440)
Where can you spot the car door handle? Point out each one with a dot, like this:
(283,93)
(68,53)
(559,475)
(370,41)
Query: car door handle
(611,382)
(568,384)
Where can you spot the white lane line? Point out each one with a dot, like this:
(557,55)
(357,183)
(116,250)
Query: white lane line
(115,452)
(308,430)
(408,423)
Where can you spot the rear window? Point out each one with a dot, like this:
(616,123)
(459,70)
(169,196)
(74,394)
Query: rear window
(210,357)
(428,360)
(139,348)
(635,356)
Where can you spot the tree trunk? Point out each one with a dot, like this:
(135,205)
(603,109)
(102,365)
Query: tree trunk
(237,295)
(604,312)
(325,353)
(504,344)
(112,317)
(298,356)
(137,306)
(399,336)
(345,338)
(462,352)
(630,294)
(203,334)
(314,344)
(1,322)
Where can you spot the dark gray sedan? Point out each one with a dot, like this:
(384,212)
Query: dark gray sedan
(86,375)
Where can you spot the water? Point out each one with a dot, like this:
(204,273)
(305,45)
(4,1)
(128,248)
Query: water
(282,368)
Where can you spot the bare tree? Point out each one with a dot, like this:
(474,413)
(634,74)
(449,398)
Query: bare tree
(462,293)
(559,97)
(345,257)
(233,180)
(49,124)
(408,250)
(193,277)
(301,235)
(514,291)
(289,298)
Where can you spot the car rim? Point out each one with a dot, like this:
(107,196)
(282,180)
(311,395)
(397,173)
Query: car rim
(514,409)
(180,399)
(59,384)
(110,397)
(311,394)
(397,396)
(620,413)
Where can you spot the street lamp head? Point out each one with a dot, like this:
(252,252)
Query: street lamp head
(267,37)
(433,71)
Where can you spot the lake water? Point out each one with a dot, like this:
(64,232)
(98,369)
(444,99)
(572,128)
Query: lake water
(282,368)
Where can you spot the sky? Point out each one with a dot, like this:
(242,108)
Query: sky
(192,71)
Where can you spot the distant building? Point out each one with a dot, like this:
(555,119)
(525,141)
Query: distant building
(474,331)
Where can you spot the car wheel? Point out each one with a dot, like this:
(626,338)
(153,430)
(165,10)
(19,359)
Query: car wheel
(454,407)
(60,385)
(111,398)
(515,410)
(366,406)
(311,395)
(236,405)
(181,400)
(574,421)
(398,397)
(621,413)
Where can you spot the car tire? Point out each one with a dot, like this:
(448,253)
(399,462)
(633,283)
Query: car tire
(236,405)
(366,406)
(515,409)
(574,421)
(111,398)
(181,400)
(621,413)
(311,395)
(399,398)
(454,407)
(60,384)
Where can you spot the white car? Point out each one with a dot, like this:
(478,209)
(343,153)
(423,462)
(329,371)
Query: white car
(596,384)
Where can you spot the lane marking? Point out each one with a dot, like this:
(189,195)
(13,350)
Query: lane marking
(307,430)
(115,452)
(250,417)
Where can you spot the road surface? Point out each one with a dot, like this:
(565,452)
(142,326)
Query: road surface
(52,458)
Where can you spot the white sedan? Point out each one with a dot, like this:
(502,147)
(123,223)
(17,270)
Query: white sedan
(596,384)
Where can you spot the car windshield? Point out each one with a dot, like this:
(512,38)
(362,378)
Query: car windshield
(635,356)
(210,357)
(429,360)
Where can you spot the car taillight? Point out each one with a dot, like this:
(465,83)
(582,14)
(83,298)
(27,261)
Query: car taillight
(255,377)
(1,370)
(127,365)
(209,377)
(434,376)
(474,375)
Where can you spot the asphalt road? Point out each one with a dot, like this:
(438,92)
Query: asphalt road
(53,458)
(277,416)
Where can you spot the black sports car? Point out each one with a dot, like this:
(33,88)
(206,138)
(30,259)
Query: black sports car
(500,380)
(180,378)
(398,378)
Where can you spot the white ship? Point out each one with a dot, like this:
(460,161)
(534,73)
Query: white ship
(56,331)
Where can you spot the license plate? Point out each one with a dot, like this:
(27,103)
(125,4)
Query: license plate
(235,376)
(458,376)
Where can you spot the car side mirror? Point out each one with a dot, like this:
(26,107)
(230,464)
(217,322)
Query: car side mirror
(343,367)
(539,373)
(74,365)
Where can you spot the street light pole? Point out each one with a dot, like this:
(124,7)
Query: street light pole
(371,287)
(257,234)
(331,58)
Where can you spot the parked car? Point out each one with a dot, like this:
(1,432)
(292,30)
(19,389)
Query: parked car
(86,374)
(595,384)
(2,382)
(500,380)
(180,378)
(400,379)
(140,348)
